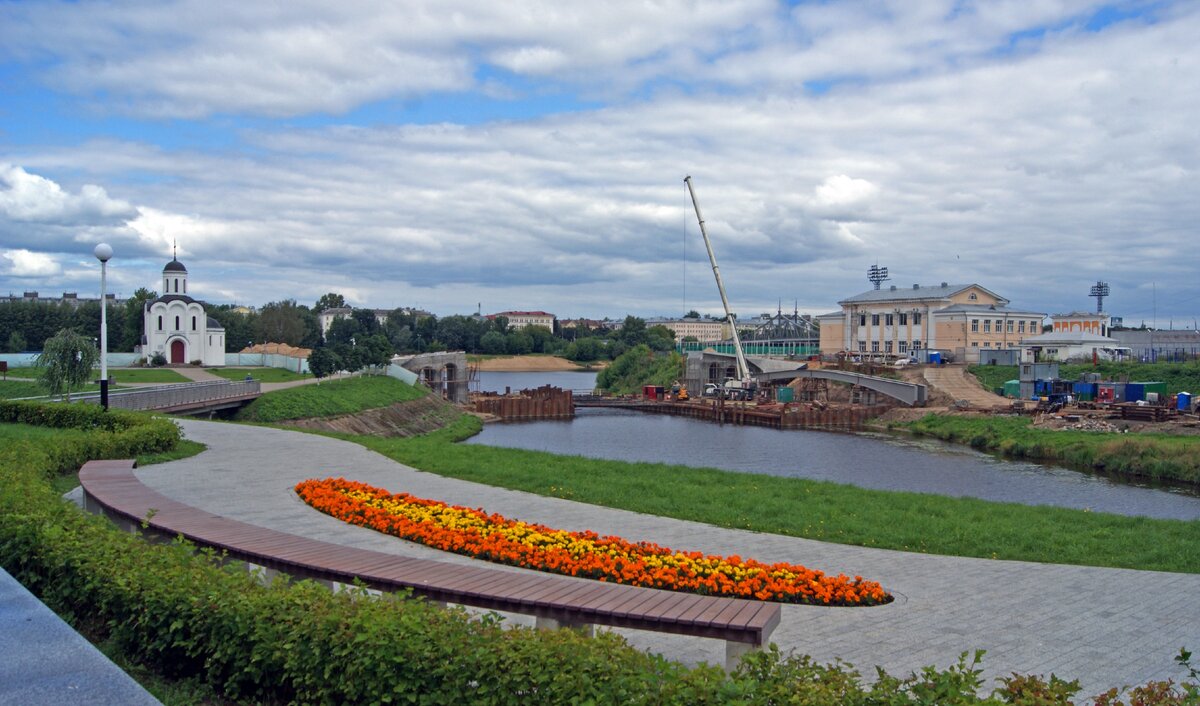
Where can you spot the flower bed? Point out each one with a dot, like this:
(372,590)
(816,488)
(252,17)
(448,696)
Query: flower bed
(585,554)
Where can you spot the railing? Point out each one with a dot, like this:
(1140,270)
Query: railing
(167,396)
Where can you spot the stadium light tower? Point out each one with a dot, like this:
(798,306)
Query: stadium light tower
(1099,291)
(877,275)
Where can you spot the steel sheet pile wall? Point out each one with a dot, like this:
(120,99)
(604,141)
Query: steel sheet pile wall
(798,417)
(545,402)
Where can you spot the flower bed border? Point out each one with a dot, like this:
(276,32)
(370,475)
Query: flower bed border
(492,537)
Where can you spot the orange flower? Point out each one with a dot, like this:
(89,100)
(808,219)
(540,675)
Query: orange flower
(474,533)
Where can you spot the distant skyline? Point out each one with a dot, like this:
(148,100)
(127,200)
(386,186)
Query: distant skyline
(530,155)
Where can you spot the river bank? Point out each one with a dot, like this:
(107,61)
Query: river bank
(531,364)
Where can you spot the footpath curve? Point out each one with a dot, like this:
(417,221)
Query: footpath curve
(1105,627)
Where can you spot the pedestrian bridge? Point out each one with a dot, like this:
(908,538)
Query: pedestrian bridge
(910,393)
(183,398)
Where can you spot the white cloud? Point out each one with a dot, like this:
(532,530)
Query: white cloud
(26,264)
(951,161)
(26,197)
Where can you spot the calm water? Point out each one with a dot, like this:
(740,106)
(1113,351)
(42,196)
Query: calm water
(496,382)
(870,461)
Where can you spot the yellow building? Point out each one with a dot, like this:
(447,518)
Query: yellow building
(959,319)
(1080,322)
(700,329)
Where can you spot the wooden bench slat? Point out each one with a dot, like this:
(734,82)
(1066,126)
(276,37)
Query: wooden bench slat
(112,485)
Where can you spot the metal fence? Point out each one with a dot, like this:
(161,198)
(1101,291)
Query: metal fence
(165,396)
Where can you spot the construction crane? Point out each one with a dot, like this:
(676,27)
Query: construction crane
(743,370)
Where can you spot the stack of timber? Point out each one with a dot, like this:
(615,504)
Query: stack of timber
(1143,413)
(545,402)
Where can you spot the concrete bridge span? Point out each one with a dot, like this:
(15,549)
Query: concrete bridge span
(708,366)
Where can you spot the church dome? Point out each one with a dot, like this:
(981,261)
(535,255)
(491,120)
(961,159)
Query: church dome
(175,266)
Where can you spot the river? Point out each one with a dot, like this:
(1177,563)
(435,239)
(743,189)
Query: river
(881,461)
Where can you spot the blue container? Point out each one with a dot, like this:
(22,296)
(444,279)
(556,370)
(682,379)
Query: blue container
(935,358)
(1084,388)
(1183,401)
(1134,392)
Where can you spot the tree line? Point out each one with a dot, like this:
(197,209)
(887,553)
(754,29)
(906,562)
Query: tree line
(361,337)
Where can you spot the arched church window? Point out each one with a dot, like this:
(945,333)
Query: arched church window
(160,323)
(177,327)
(193,323)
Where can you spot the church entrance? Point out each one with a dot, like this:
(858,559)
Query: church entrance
(177,352)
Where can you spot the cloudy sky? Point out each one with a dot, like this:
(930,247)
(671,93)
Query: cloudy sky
(451,154)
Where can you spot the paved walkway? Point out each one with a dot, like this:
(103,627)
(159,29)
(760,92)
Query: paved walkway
(44,662)
(1106,627)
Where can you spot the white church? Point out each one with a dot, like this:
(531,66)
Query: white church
(176,325)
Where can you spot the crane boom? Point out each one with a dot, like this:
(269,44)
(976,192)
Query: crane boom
(743,370)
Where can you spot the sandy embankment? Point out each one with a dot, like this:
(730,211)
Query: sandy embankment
(530,364)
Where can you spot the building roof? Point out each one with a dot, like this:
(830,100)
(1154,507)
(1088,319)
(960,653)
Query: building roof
(213,325)
(175,266)
(914,293)
(168,298)
(520,313)
(986,309)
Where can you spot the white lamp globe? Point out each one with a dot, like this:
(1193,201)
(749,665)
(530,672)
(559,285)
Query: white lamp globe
(103,252)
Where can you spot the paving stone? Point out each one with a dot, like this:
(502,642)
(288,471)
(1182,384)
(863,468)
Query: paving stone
(1030,617)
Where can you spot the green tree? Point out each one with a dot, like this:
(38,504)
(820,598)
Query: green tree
(492,343)
(283,322)
(240,328)
(633,332)
(66,361)
(693,314)
(134,325)
(375,350)
(540,338)
(518,343)
(323,362)
(343,330)
(330,300)
(15,343)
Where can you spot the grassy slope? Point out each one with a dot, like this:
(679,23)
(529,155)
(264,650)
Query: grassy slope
(329,399)
(1178,376)
(813,509)
(1160,456)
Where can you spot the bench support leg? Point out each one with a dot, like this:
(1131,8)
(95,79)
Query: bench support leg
(734,651)
(586,629)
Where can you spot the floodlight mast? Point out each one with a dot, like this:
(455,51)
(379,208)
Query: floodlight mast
(743,369)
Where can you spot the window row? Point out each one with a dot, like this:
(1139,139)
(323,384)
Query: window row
(1003,326)
(902,347)
(891,319)
(177,326)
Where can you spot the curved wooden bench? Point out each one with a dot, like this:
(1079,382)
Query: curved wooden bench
(111,488)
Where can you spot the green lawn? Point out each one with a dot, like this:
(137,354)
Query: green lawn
(260,374)
(119,375)
(816,510)
(329,399)
(17,388)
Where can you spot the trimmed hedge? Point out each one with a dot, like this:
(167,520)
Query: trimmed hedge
(182,613)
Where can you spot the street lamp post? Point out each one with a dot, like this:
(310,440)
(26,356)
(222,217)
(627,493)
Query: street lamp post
(103,253)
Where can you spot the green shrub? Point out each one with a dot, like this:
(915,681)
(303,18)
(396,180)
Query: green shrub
(186,614)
